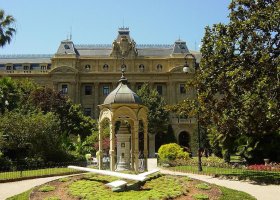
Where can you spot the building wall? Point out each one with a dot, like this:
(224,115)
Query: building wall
(87,79)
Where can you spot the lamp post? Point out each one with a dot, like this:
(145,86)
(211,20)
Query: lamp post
(186,69)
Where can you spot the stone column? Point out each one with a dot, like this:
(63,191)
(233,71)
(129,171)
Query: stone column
(145,145)
(151,145)
(100,156)
(132,148)
(136,146)
(112,146)
(96,95)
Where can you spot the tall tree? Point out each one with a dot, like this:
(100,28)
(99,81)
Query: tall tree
(71,116)
(238,80)
(7,28)
(30,136)
(158,117)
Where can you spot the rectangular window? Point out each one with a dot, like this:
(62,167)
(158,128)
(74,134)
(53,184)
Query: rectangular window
(159,89)
(25,67)
(106,90)
(88,89)
(182,89)
(87,112)
(43,67)
(9,68)
(64,89)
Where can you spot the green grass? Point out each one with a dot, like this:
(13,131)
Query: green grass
(4,176)
(157,188)
(65,179)
(203,186)
(201,196)
(21,196)
(229,194)
(46,188)
(241,174)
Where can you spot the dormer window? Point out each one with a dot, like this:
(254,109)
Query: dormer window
(141,68)
(66,46)
(87,67)
(159,67)
(105,67)
(9,67)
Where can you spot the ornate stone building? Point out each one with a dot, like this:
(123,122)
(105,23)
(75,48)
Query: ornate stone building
(88,73)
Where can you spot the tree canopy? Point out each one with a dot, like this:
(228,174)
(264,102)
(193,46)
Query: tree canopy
(40,125)
(7,28)
(238,80)
(158,117)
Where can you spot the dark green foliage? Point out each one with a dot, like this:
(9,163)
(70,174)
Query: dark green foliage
(158,117)
(71,115)
(7,28)
(238,80)
(31,138)
(39,125)
(165,137)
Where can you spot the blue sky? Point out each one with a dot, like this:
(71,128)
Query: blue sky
(41,25)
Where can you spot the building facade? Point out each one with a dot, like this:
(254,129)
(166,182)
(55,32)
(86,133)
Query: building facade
(88,73)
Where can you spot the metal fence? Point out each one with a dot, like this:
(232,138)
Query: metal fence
(21,172)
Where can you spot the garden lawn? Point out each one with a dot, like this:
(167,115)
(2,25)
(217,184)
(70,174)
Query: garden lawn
(159,187)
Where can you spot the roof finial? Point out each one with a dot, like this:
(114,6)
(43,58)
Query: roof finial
(70,32)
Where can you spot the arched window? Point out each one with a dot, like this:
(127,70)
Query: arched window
(141,68)
(159,67)
(87,67)
(66,46)
(105,67)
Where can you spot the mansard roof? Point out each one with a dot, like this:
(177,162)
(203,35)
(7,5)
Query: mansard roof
(123,44)
(26,58)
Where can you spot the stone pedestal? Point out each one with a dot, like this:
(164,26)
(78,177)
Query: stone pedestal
(123,148)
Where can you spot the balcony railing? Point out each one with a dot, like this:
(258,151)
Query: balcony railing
(177,120)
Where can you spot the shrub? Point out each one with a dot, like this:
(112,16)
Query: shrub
(201,196)
(168,153)
(46,188)
(203,186)
(211,161)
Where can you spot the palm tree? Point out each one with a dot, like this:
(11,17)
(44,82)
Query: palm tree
(7,29)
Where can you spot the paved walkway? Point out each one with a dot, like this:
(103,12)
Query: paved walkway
(14,188)
(261,192)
